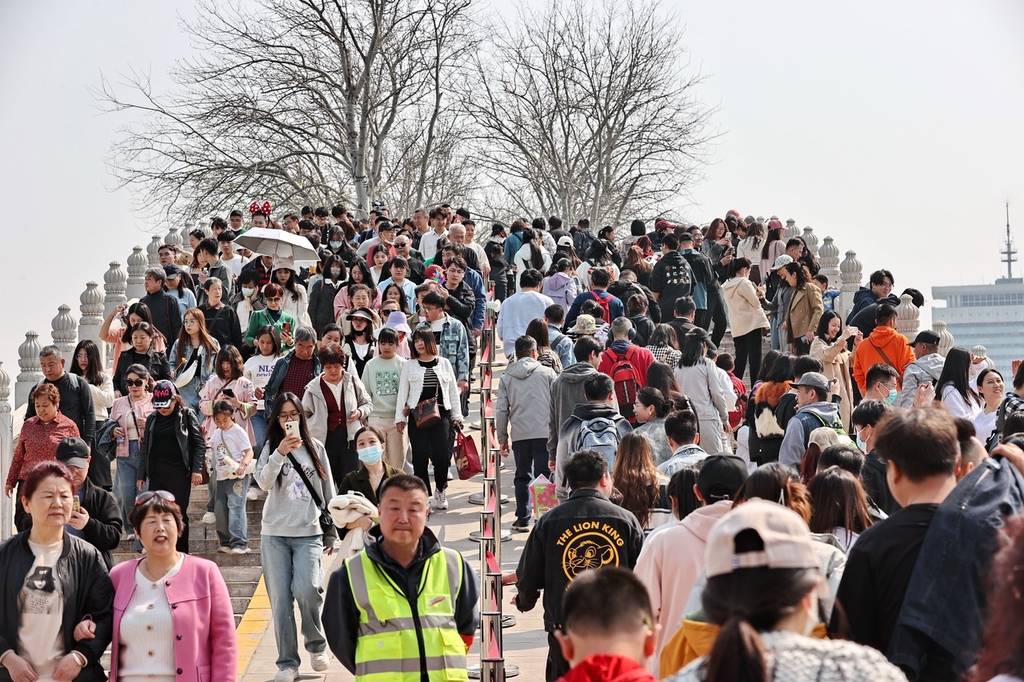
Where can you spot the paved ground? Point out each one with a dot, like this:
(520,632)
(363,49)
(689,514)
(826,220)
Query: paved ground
(525,643)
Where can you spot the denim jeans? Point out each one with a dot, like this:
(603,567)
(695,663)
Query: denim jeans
(259,431)
(126,481)
(531,460)
(291,571)
(232,526)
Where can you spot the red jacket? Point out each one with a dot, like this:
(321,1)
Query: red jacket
(640,358)
(607,668)
(204,624)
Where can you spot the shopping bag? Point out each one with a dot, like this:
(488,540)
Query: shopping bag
(467,459)
(542,495)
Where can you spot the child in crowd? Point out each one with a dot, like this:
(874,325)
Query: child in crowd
(233,462)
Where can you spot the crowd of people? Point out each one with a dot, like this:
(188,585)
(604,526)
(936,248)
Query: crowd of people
(830,501)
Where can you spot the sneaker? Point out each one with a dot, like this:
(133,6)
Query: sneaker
(240,550)
(319,661)
(286,675)
(209,518)
(440,500)
(521,526)
(224,549)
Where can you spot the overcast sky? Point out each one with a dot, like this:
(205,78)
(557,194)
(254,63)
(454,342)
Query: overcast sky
(895,127)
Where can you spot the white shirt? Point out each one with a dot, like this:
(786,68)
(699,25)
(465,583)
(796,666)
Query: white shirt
(147,631)
(41,603)
(234,265)
(258,369)
(428,243)
(229,448)
(985,424)
(957,406)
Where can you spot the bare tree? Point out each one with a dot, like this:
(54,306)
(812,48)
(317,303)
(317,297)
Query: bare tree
(590,112)
(294,100)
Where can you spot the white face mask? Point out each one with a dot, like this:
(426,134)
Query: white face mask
(248,292)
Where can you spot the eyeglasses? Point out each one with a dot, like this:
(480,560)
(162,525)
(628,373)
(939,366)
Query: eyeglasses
(148,496)
(274,298)
(288,416)
(134,382)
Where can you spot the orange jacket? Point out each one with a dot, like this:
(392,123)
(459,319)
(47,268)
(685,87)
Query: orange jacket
(870,352)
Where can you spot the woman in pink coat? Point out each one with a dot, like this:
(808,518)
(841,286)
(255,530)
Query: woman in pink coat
(172,611)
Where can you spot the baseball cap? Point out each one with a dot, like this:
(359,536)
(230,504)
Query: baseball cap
(362,313)
(813,380)
(163,393)
(926,336)
(786,538)
(782,261)
(74,452)
(565,240)
(720,476)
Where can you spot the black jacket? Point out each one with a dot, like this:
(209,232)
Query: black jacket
(876,485)
(166,314)
(223,325)
(321,303)
(75,404)
(191,443)
(584,532)
(701,267)
(341,617)
(86,591)
(154,361)
(103,529)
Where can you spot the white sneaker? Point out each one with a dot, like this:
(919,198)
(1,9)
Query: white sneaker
(240,550)
(224,549)
(209,518)
(286,675)
(440,500)
(319,661)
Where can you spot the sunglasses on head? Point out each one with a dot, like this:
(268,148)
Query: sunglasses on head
(134,382)
(148,496)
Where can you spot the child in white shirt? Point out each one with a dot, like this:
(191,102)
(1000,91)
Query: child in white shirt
(233,462)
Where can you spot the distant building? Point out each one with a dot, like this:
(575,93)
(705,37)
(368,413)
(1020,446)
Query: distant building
(990,315)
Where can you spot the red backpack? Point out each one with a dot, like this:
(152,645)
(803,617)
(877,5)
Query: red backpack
(606,312)
(626,380)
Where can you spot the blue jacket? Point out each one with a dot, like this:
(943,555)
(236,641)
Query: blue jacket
(940,625)
(476,283)
(561,345)
(615,307)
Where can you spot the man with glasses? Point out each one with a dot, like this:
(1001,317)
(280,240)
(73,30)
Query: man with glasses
(414,260)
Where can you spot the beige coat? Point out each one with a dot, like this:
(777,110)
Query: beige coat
(743,306)
(805,310)
(836,359)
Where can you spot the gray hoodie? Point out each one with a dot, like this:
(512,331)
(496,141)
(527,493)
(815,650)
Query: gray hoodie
(524,395)
(927,368)
(566,394)
(798,430)
(289,510)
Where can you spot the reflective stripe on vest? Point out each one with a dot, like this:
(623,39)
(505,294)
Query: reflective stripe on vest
(387,649)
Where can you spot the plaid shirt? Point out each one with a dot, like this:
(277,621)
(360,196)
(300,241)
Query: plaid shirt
(454,345)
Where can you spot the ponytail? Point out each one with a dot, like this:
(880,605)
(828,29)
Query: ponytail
(738,653)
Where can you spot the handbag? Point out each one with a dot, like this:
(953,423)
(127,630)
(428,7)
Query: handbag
(426,413)
(325,520)
(188,372)
(467,459)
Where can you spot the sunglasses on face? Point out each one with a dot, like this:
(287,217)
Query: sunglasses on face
(134,382)
(151,495)
(275,298)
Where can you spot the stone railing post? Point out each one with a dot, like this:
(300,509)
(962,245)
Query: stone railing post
(828,258)
(64,333)
(908,317)
(136,274)
(850,271)
(791,229)
(91,307)
(31,373)
(946,340)
(114,282)
(811,240)
(153,250)
(173,238)
(6,452)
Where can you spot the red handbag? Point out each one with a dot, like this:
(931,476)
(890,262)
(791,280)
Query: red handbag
(467,459)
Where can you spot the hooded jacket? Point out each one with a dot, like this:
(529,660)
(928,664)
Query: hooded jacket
(586,531)
(566,394)
(798,430)
(607,668)
(743,306)
(341,616)
(870,352)
(524,395)
(927,368)
(862,298)
(672,561)
(567,436)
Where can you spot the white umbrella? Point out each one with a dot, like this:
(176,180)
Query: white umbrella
(283,246)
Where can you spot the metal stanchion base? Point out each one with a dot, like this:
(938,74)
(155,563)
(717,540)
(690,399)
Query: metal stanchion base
(511,670)
(478,498)
(506,535)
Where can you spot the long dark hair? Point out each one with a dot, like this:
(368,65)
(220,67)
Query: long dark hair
(781,370)
(1002,650)
(94,372)
(774,235)
(140,309)
(838,501)
(636,477)
(290,285)
(767,362)
(777,483)
(662,377)
(798,271)
(680,489)
(652,397)
(403,302)
(536,255)
(325,268)
(693,350)
(275,433)
(956,372)
(360,265)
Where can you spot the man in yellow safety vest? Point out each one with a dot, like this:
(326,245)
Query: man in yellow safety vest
(405,608)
